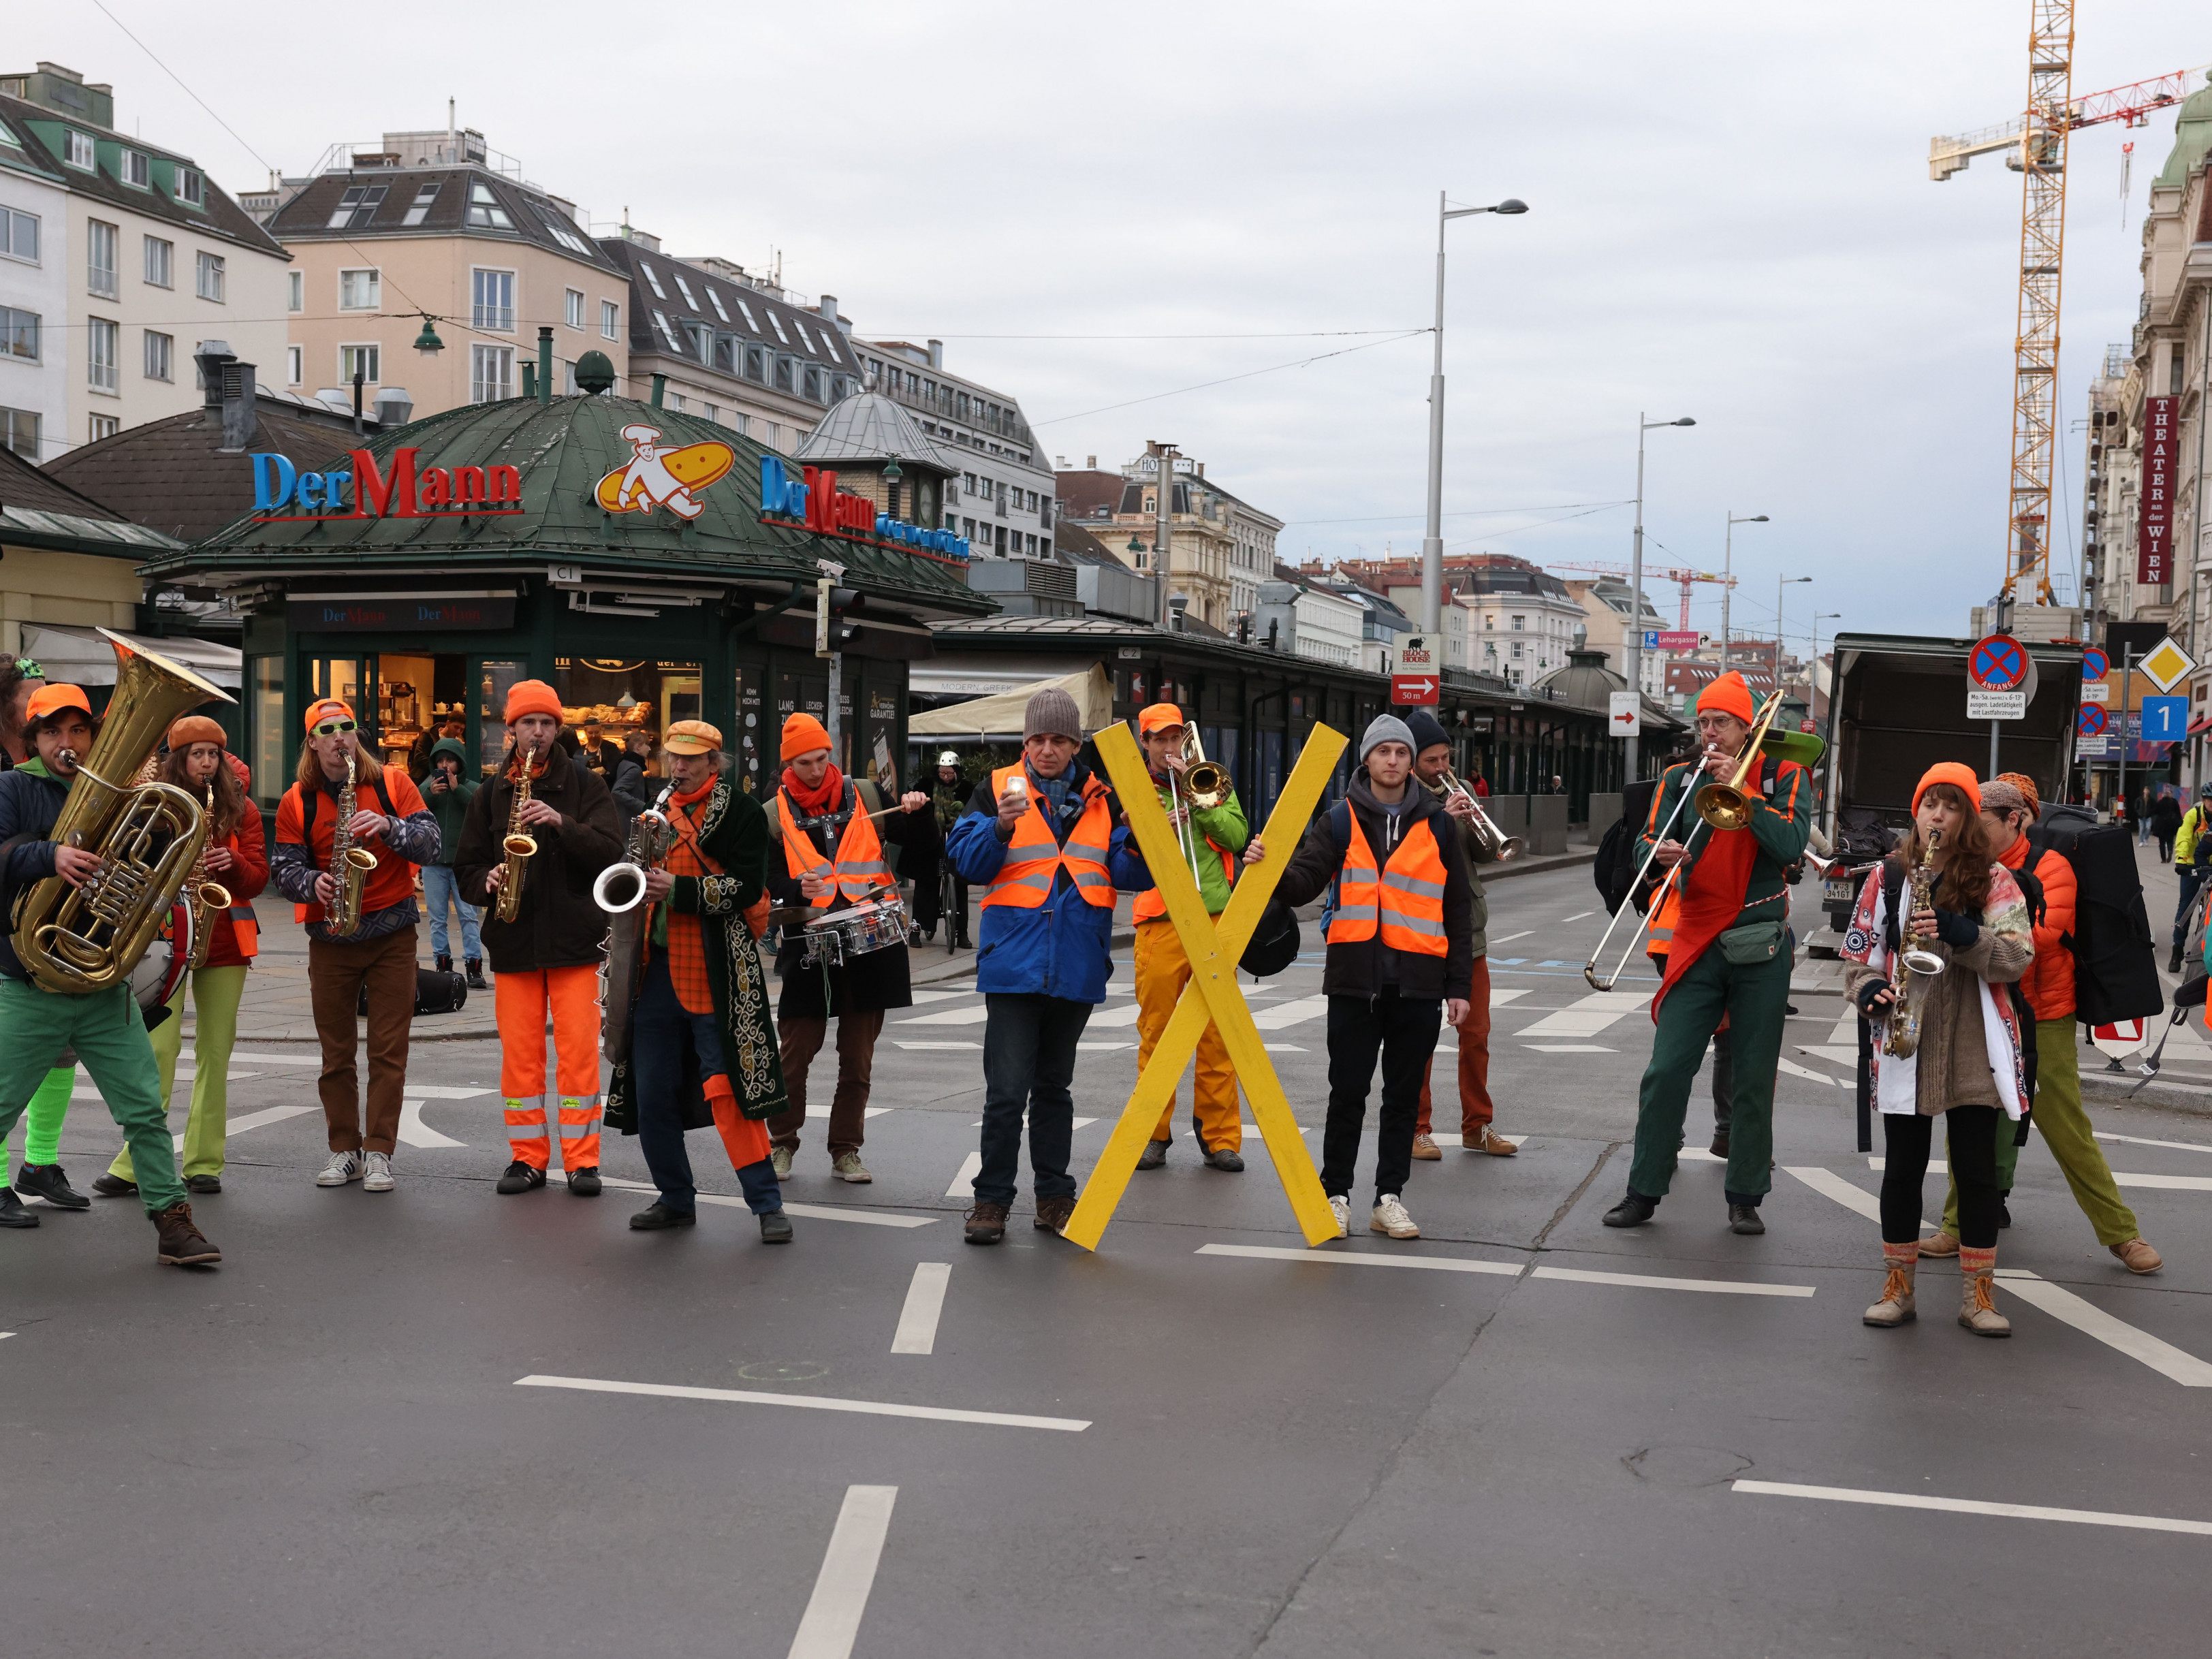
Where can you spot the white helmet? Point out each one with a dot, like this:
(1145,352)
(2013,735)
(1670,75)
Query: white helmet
(948,758)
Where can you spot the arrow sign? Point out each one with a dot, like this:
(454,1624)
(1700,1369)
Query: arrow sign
(2090,723)
(2095,665)
(1997,663)
(1413,690)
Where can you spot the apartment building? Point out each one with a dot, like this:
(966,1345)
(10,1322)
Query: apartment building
(1003,499)
(117,259)
(434,240)
(1221,548)
(1605,612)
(1502,616)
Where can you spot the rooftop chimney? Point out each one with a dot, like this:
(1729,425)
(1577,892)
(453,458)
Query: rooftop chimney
(1091,462)
(827,305)
(212,356)
(393,406)
(937,354)
(239,420)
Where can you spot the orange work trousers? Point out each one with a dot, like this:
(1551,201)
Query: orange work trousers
(1163,969)
(523,1000)
(1474,1108)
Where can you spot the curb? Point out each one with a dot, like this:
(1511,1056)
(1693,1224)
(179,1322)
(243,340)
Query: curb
(2117,1089)
(1537,867)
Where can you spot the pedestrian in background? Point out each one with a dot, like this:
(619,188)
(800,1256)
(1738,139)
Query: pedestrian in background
(950,801)
(448,792)
(2166,822)
(2192,862)
(637,774)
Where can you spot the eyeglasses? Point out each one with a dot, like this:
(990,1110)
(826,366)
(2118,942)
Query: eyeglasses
(333,729)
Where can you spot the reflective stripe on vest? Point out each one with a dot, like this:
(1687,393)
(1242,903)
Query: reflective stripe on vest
(1150,906)
(1034,856)
(1661,927)
(860,868)
(1405,898)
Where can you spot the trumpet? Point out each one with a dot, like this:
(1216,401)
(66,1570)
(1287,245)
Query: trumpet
(1500,845)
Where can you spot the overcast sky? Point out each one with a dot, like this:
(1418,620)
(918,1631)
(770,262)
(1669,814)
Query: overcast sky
(1731,218)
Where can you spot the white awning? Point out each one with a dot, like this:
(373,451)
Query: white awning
(999,715)
(80,657)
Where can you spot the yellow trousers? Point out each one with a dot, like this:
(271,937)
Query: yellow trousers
(1163,971)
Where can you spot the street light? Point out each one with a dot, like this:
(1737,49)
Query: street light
(1812,674)
(1636,586)
(1432,543)
(1781,582)
(1728,576)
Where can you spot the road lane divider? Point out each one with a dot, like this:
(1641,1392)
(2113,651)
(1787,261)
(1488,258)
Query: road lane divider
(853,1212)
(1914,1500)
(808,1403)
(831,1622)
(924,1305)
(2117,1334)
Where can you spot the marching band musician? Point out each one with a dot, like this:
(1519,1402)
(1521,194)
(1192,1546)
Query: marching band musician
(104,1027)
(1728,955)
(702,1048)
(547,959)
(391,823)
(1432,765)
(834,858)
(1162,968)
(238,858)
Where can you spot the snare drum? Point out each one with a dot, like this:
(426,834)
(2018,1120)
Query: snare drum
(876,925)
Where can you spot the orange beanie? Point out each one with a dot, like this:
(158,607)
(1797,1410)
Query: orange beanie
(802,735)
(1729,694)
(1958,775)
(531,697)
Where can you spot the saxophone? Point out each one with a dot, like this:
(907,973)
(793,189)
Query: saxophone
(350,863)
(207,899)
(519,846)
(1913,966)
(620,891)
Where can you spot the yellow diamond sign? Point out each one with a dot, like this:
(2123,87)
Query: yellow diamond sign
(2167,666)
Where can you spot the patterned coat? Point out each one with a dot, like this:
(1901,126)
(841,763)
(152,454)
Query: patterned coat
(734,835)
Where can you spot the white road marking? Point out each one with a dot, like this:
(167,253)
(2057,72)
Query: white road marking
(313,1062)
(1110,1018)
(1101,1048)
(975,1016)
(1652,1282)
(939,1045)
(808,1403)
(1579,915)
(1588,1016)
(2171,1183)
(964,1184)
(435,1092)
(921,997)
(1913,1500)
(2093,1320)
(1293,1048)
(1698,1155)
(1443,1264)
(416,1133)
(239,1126)
(1795,1070)
(1845,1056)
(925,1304)
(1499,998)
(818,1111)
(2138,1140)
(832,1620)
(1507,939)
(186,1070)
(865,1217)
(1828,1185)
(1290,1013)
(1568,1048)
(1845,1033)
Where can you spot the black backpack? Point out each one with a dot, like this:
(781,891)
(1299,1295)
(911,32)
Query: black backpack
(2115,955)
(1615,869)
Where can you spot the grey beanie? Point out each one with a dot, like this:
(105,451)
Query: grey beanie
(1384,728)
(1051,712)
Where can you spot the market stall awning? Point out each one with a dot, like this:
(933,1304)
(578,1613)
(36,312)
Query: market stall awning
(999,715)
(80,656)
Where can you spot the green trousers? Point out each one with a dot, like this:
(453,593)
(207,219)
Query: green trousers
(1754,997)
(2063,1123)
(42,1120)
(215,994)
(112,1045)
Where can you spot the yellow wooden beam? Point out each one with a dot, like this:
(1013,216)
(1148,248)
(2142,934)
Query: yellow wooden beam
(1213,950)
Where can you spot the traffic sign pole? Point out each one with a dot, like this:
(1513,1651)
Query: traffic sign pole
(2127,693)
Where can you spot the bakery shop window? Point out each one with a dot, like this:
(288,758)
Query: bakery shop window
(604,700)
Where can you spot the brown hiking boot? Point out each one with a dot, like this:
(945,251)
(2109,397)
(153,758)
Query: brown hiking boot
(1977,1306)
(2138,1257)
(1426,1149)
(1053,1213)
(1940,1242)
(986,1224)
(181,1244)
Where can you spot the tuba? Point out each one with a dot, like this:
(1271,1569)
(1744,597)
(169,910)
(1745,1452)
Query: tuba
(620,891)
(149,836)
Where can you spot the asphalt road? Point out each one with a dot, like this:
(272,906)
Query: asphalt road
(441,1421)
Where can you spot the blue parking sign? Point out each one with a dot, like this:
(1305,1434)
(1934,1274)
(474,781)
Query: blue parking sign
(2165,719)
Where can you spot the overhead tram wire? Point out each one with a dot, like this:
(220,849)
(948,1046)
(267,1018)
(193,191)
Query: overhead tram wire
(1227,379)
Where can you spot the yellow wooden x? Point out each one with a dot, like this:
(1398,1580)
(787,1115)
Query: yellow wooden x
(1213,993)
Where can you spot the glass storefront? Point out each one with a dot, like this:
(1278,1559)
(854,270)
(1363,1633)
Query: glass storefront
(606,699)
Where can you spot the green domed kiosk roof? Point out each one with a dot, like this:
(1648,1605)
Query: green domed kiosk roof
(608,481)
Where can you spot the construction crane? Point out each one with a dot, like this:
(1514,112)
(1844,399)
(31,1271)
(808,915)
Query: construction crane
(2036,141)
(1686,578)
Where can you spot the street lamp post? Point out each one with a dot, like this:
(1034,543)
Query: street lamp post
(1164,456)
(1432,543)
(1636,588)
(1812,674)
(1728,576)
(1781,582)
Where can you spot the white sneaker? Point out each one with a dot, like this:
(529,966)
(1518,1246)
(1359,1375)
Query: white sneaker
(377,1178)
(1341,1209)
(341,1167)
(1389,1218)
(849,1168)
(779,1158)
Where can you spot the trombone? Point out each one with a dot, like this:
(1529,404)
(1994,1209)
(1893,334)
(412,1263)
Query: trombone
(1203,786)
(1501,846)
(1605,982)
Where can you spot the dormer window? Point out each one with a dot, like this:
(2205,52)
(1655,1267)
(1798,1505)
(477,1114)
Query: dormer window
(78,151)
(653,281)
(138,169)
(484,208)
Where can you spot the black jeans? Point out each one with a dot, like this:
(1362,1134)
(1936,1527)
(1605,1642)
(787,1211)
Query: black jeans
(2192,878)
(1973,1133)
(1029,1060)
(1403,1029)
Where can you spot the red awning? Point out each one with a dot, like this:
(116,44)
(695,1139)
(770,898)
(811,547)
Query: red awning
(2201,723)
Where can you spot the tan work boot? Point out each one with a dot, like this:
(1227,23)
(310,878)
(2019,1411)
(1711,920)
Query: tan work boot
(2137,1256)
(1425,1149)
(1977,1307)
(1489,1141)
(1940,1242)
(1896,1306)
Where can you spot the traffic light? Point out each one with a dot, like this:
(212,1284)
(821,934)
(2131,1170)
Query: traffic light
(832,603)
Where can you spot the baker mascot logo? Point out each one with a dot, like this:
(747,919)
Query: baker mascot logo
(659,476)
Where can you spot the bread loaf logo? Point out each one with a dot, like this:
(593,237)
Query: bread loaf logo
(657,475)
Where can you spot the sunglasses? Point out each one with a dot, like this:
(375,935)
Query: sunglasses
(333,729)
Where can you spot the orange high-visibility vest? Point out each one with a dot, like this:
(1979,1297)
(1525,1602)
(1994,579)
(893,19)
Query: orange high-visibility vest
(1150,906)
(1034,856)
(860,869)
(1406,895)
(1661,922)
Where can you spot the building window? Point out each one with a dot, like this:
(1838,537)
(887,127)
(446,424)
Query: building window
(293,372)
(756,364)
(712,413)
(160,257)
(191,187)
(565,234)
(19,235)
(658,292)
(104,425)
(357,207)
(783,374)
(160,351)
(717,299)
(362,359)
(19,334)
(19,432)
(102,349)
(484,210)
(491,373)
(425,198)
(675,402)
(360,290)
(492,295)
(1519,622)
(685,288)
(778,322)
(667,333)
(609,320)
(813,383)
(99,241)
(575,318)
(137,169)
(77,151)
(740,421)
(210,277)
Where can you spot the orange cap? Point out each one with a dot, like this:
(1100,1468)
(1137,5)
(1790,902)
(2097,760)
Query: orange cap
(531,697)
(1152,717)
(692,738)
(802,735)
(323,709)
(51,699)
(189,729)
(1957,773)
(1729,694)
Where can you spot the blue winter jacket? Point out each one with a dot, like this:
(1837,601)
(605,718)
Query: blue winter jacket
(1063,948)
